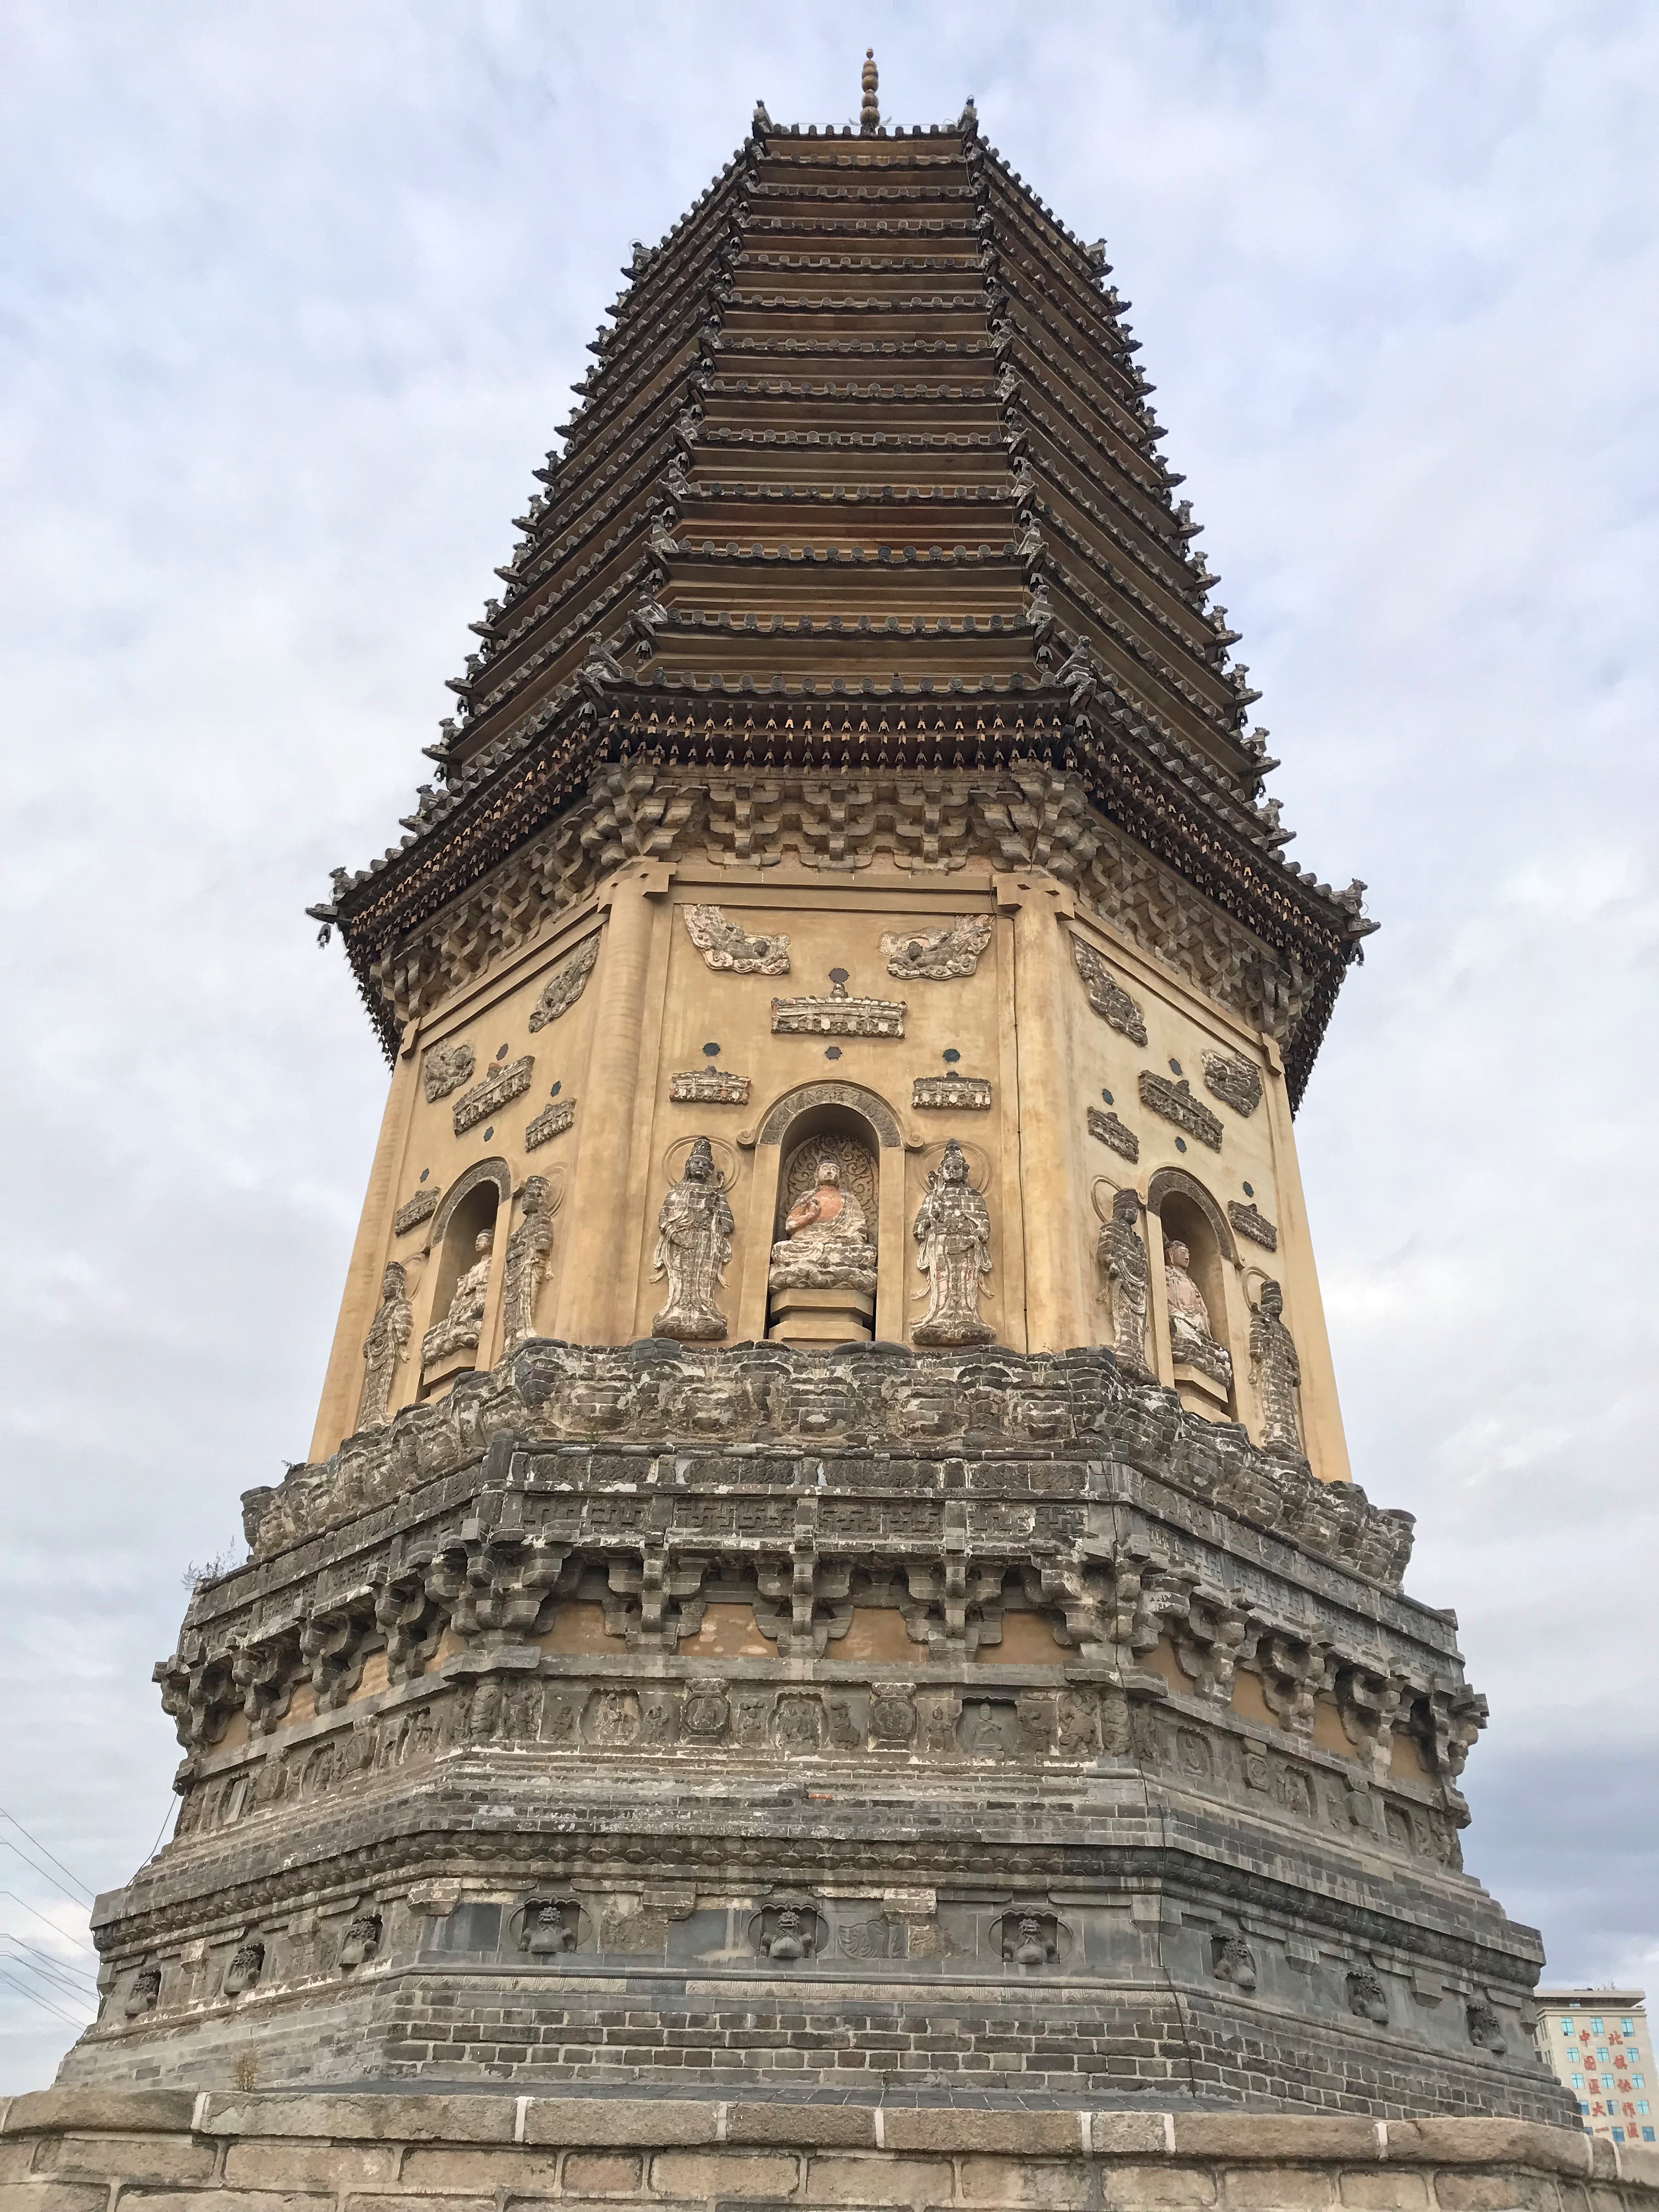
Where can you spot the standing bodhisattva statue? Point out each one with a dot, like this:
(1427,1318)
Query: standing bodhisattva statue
(386,1346)
(1276,1371)
(1128,1276)
(953,1228)
(527,1248)
(694,1243)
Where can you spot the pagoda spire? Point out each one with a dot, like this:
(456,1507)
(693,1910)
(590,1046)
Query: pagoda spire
(870,111)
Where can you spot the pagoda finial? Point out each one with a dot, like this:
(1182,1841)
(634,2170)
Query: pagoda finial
(869,112)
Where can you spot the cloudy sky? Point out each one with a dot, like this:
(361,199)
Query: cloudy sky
(290,301)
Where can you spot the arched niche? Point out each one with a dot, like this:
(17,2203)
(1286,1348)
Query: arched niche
(1189,1215)
(475,1204)
(834,1114)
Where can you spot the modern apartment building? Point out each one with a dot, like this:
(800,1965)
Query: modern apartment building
(1599,2043)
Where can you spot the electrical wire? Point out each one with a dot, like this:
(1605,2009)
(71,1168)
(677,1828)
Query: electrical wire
(65,1974)
(54,1988)
(68,2020)
(44,1852)
(7,1845)
(45,1923)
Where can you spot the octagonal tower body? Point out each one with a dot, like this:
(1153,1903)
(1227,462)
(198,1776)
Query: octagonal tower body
(765,1662)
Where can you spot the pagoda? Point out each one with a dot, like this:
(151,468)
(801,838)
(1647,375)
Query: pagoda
(828,1559)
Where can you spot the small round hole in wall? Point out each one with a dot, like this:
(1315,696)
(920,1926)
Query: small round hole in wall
(837,975)
(1180,1144)
(491,1132)
(832,1052)
(951,1056)
(711,1052)
(425,1172)
(502,1053)
(1249,1190)
(554,1091)
(1106,1096)
(1174,1068)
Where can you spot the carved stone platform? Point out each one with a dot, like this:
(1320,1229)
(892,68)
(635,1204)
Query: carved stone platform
(757,1711)
(867,1718)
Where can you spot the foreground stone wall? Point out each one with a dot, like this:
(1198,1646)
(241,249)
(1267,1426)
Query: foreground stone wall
(101,2151)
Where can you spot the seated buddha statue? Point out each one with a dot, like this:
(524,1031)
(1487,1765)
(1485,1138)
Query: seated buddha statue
(825,1245)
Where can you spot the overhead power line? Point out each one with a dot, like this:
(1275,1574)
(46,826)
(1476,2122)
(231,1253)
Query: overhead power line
(33,1999)
(7,1845)
(45,1923)
(58,1966)
(44,1852)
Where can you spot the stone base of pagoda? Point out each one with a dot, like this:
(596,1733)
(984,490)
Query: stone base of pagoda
(956,2151)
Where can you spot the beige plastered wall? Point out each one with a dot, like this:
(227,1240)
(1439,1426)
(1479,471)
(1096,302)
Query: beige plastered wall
(1023,1021)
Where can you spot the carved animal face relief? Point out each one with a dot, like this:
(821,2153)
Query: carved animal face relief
(726,947)
(937,955)
(1106,995)
(445,1068)
(565,985)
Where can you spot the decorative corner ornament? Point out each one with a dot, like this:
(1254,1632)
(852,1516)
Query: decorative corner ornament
(445,1068)
(1107,997)
(566,984)
(1176,1103)
(1234,1081)
(936,955)
(726,947)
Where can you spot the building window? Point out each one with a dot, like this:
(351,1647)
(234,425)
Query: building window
(1601,2055)
(1638,2081)
(1583,2106)
(1629,2027)
(1647,2135)
(1642,2106)
(1596,2026)
(1578,2080)
(1619,2135)
(1566,2028)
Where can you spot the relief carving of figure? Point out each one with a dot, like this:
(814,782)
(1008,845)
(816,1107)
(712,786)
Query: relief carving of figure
(386,1346)
(694,1243)
(1276,1372)
(527,1248)
(1191,1339)
(463,1325)
(953,1230)
(826,1244)
(1129,1274)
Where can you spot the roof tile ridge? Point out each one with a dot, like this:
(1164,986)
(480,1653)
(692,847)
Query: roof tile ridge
(1138,647)
(1011,177)
(1125,582)
(1061,389)
(1179,574)
(598,397)
(1089,281)
(716,267)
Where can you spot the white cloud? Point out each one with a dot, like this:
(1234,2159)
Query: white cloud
(295,297)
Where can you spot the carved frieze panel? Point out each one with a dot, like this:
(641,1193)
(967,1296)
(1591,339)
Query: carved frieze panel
(1234,1081)
(565,985)
(969,1093)
(497,1089)
(725,946)
(552,1122)
(1176,1103)
(709,1086)
(1106,995)
(839,1015)
(936,955)
(445,1068)
(1249,1221)
(414,1211)
(1118,1134)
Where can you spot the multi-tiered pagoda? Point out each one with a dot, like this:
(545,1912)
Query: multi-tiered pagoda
(829,1554)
